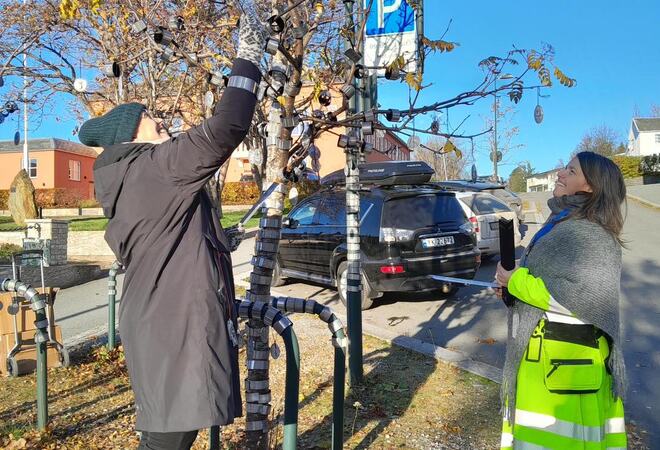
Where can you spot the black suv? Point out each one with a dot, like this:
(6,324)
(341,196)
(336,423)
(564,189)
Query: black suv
(409,230)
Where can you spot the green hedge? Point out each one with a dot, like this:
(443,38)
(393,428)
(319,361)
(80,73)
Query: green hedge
(247,193)
(52,198)
(629,165)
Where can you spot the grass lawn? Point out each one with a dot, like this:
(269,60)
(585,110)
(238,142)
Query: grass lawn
(99,223)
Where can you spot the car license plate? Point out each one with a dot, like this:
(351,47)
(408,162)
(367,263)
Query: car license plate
(437,242)
(495,226)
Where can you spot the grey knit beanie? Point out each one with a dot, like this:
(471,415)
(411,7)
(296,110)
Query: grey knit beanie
(114,127)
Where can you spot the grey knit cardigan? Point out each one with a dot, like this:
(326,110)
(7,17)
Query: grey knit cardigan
(580,264)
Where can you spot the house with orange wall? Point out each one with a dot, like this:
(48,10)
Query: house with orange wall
(54,163)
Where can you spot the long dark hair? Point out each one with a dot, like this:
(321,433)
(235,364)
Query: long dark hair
(609,192)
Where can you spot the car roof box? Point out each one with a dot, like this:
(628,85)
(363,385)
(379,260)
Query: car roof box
(386,173)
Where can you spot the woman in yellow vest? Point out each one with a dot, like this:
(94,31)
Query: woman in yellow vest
(564,376)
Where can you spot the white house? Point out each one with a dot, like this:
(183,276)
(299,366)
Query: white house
(542,181)
(644,137)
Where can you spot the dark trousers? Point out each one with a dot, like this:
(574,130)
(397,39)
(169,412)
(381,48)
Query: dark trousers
(167,441)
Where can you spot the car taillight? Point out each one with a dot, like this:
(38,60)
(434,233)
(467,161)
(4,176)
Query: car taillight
(391,270)
(390,235)
(475,224)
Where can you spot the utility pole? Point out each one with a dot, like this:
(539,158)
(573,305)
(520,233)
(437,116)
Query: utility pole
(26,155)
(353,278)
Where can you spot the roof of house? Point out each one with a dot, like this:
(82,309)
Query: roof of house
(643,124)
(49,144)
(539,174)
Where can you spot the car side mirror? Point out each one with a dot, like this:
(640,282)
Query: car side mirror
(289,223)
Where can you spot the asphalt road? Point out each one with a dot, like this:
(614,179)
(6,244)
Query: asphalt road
(474,320)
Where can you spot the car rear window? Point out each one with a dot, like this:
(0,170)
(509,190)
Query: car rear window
(484,204)
(414,212)
(503,194)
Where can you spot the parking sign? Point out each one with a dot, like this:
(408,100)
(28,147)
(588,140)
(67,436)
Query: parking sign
(390,31)
(389,17)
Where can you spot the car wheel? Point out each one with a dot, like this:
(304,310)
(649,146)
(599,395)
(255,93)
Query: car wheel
(342,282)
(278,279)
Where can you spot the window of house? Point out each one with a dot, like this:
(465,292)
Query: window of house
(74,170)
(33,168)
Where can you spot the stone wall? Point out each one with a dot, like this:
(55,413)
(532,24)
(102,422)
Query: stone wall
(88,243)
(55,230)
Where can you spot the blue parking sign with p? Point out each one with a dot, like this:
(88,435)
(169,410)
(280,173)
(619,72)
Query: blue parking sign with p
(389,17)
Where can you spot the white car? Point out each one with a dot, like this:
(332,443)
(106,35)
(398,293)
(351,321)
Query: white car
(484,212)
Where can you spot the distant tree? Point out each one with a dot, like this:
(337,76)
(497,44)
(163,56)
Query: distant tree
(519,175)
(517,180)
(655,110)
(602,140)
(447,161)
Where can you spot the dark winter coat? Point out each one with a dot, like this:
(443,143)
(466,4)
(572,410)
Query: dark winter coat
(178,291)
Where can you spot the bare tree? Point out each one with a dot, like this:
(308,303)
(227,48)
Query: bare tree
(603,140)
(446,161)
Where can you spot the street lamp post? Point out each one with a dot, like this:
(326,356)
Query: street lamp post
(504,76)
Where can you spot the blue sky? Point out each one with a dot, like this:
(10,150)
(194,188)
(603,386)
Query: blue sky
(611,47)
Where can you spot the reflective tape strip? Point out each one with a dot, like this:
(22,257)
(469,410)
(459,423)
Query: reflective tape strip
(257,297)
(259,279)
(615,425)
(112,283)
(326,314)
(564,428)
(112,292)
(255,397)
(269,233)
(256,425)
(257,364)
(256,385)
(257,408)
(271,314)
(265,247)
(309,306)
(282,325)
(335,326)
(261,355)
(340,343)
(266,263)
(257,332)
(41,323)
(37,305)
(245,83)
(507,440)
(522,445)
(269,222)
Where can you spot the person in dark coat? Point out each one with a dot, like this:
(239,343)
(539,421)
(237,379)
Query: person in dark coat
(176,317)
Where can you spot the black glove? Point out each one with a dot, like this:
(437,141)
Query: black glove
(235,235)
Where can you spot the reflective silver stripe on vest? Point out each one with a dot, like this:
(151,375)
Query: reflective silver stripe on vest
(615,425)
(564,428)
(522,445)
(507,440)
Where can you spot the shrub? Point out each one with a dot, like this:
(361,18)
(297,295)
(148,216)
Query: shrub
(89,203)
(58,198)
(240,193)
(7,249)
(650,164)
(629,165)
(4,199)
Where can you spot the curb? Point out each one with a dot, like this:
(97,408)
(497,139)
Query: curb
(451,357)
(643,201)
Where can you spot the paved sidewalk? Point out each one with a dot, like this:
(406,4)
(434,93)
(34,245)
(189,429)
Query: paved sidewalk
(648,194)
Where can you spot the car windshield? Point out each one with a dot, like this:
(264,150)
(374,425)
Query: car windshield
(410,213)
(484,204)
